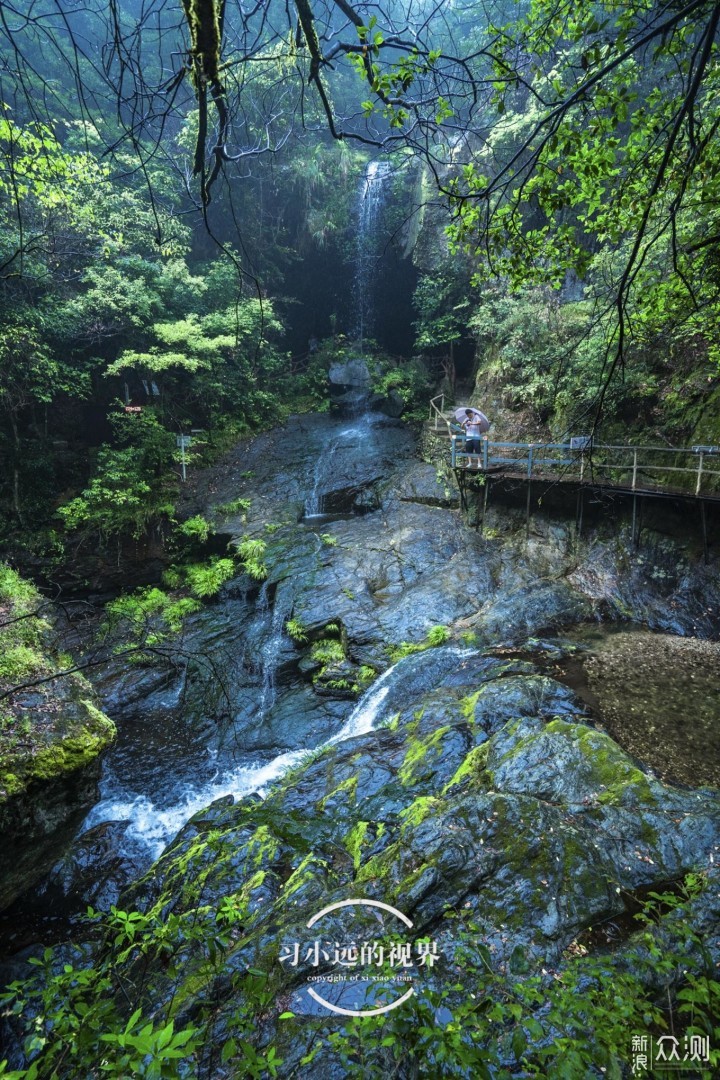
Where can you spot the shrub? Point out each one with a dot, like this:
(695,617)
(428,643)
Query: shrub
(251,553)
(234,507)
(436,635)
(205,579)
(196,528)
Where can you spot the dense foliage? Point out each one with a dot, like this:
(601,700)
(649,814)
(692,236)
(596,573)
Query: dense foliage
(566,1024)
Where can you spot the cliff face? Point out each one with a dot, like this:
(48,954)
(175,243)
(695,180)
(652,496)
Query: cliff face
(51,736)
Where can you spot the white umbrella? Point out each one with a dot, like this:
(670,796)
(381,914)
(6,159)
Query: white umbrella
(477,417)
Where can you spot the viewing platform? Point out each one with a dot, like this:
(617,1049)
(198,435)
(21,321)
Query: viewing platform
(640,472)
(650,470)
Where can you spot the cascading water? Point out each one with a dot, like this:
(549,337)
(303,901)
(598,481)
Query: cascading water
(152,827)
(325,464)
(181,758)
(270,651)
(371,198)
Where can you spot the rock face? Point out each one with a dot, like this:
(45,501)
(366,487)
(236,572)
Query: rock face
(48,790)
(484,788)
(51,736)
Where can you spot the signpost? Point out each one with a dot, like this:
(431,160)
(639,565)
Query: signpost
(183,441)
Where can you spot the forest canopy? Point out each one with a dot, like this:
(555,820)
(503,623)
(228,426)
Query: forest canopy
(555,128)
(164,166)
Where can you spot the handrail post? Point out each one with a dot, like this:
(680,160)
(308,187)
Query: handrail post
(485,452)
(530,459)
(454,451)
(699,473)
(635,465)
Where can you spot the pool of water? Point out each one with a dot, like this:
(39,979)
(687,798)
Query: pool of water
(656,694)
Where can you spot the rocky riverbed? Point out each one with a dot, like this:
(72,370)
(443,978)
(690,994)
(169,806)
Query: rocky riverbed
(369,754)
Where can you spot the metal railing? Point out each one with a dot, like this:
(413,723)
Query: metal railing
(690,470)
(437,415)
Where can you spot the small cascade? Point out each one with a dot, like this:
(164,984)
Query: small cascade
(270,651)
(324,467)
(367,711)
(314,501)
(152,827)
(371,198)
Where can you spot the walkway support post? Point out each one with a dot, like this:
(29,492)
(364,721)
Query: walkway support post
(486,491)
(636,518)
(529,490)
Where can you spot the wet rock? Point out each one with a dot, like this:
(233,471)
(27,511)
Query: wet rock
(540,829)
(349,373)
(423,483)
(391,404)
(45,793)
(97,868)
(300,718)
(349,386)
(532,610)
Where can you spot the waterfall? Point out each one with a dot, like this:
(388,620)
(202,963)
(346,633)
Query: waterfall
(371,197)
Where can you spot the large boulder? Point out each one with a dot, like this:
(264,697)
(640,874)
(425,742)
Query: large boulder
(349,385)
(540,825)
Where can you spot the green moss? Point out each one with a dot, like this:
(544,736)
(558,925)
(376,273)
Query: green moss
(468,706)
(22,662)
(380,867)
(616,776)
(472,768)
(417,751)
(418,810)
(302,874)
(15,589)
(355,841)
(348,786)
(62,734)
(263,844)
(10,784)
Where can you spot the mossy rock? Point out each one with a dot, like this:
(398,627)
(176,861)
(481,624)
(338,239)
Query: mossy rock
(51,736)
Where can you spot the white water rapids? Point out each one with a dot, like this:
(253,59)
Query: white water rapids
(152,827)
